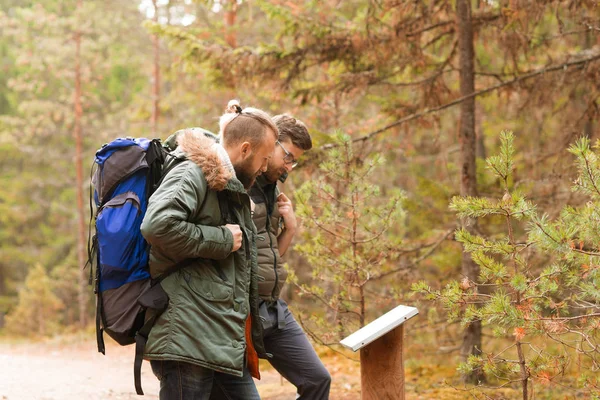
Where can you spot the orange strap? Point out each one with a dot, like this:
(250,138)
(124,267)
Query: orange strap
(251,354)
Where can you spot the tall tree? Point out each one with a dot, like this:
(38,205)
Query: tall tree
(155,75)
(230,14)
(78,136)
(468,177)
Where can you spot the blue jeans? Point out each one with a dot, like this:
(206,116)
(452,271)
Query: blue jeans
(185,381)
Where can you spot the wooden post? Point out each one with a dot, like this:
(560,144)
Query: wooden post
(382,367)
(381,362)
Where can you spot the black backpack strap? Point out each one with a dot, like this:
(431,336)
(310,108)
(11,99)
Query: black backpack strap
(140,343)
(155,301)
(99,330)
(155,153)
(155,157)
(99,310)
(176,161)
(91,239)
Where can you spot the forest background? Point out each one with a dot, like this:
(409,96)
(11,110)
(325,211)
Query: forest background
(405,100)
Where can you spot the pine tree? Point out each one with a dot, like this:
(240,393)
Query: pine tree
(537,281)
(38,308)
(351,240)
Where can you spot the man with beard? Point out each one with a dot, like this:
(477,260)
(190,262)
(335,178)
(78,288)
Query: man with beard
(293,356)
(199,226)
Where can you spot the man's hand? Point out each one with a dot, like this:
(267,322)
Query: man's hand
(284,205)
(237,236)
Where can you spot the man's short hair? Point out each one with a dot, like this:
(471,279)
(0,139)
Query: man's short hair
(294,130)
(239,125)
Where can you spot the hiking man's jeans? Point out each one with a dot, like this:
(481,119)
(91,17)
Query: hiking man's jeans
(293,355)
(185,381)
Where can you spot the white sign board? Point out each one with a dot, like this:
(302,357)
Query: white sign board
(379,327)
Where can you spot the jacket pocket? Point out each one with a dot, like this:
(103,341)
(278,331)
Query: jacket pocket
(219,271)
(205,287)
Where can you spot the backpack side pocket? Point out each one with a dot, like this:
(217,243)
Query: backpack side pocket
(121,246)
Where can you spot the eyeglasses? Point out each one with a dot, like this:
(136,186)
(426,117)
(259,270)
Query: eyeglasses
(288,159)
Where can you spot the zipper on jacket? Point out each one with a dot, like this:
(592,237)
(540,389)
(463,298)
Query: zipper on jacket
(274,260)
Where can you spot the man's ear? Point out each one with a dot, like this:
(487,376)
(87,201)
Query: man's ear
(245,149)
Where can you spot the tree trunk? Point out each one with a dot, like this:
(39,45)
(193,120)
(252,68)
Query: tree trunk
(468,182)
(79,178)
(156,77)
(230,14)
(3,269)
(588,128)
(480,151)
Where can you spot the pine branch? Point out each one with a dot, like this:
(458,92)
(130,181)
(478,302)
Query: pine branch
(425,112)
(560,319)
(586,251)
(417,260)
(478,18)
(588,170)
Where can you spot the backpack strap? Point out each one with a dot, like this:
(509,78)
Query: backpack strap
(99,330)
(155,157)
(176,161)
(91,239)
(155,301)
(155,152)
(99,311)
(140,343)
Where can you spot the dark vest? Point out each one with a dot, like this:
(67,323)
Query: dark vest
(268,221)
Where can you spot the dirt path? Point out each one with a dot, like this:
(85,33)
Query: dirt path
(73,370)
(76,371)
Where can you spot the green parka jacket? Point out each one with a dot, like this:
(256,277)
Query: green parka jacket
(209,298)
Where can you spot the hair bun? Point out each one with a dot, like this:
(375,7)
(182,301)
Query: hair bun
(234,107)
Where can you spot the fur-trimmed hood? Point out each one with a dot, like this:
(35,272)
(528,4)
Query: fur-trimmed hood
(200,146)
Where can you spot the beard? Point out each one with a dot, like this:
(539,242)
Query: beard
(272,175)
(244,172)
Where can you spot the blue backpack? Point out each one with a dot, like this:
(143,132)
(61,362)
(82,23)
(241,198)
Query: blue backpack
(128,301)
